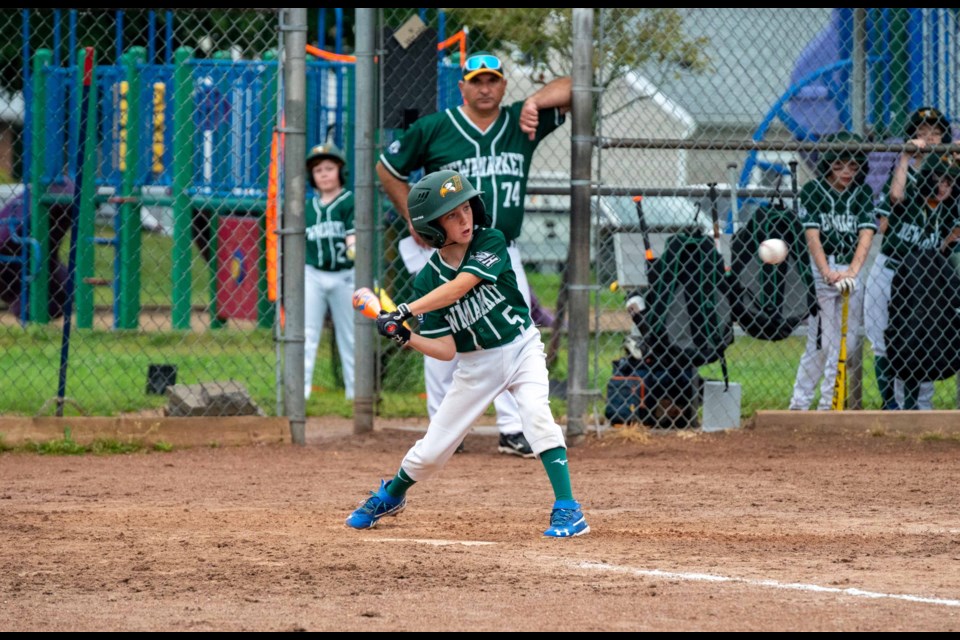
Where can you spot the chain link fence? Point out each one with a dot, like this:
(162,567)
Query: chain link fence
(138,156)
(714,128)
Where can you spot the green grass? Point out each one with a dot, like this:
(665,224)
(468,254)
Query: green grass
(156,258)
(108,369)
(107,372)
(67,446)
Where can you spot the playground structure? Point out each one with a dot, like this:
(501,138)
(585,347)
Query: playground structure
(196,131)
(909,59)
(198,136)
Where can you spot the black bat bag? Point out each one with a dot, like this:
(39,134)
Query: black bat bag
(923,334)
(768,301)
(687,322)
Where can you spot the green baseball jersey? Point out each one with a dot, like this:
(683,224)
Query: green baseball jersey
(328,226)
(838,215)
(914,224)
(883,205)
(491,314)
(496,161)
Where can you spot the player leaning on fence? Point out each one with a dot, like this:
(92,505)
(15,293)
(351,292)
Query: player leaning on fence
(923,216)
(469,305)
(837,213)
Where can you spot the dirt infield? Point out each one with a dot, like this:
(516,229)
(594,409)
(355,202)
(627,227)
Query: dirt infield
(753,530)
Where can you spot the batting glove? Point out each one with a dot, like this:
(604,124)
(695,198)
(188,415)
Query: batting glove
(846,285)
(403,312)
(390,326)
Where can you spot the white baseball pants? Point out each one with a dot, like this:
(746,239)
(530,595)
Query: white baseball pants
(520,368)
(820,364)
(333,290)
(438,374)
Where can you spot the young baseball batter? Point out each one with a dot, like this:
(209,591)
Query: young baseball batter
(329,277)
(493,146)
(469,304)
(923,215)
(837,213)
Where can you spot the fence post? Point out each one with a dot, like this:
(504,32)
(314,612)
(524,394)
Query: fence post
(293,23)
(579,260)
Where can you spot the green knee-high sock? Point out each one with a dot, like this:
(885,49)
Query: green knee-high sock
(555,462)
(885,381)
(401,482)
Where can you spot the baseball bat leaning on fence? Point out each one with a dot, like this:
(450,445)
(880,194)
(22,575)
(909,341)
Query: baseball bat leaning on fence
(74,228)
(715,216)
(840,384)
(642,221)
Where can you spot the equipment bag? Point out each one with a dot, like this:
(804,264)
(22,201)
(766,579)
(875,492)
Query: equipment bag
(658,398)
(923,334)
(769,300)
(687,322)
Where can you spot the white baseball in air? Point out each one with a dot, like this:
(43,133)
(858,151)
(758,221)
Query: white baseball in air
(773,251)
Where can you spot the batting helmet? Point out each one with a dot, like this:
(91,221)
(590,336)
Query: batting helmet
(934,169)
(931,116)
(440,193)
(326,152)
(829,157)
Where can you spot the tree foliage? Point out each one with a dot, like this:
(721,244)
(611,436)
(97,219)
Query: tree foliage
(651,41)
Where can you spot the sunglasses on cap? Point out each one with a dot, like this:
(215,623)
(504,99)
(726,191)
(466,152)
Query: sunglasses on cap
(481,62)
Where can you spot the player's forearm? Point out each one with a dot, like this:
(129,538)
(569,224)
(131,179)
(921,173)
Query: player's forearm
(556,93)
(898,182)
(440,348)
(863,248)
(816,251)
(397,190)
(445,295)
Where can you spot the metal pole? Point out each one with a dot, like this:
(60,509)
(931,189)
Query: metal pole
(364,219)
(293,24)
(859,75)
(859,115)
(579,264)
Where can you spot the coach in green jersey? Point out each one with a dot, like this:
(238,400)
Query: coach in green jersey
(490,144)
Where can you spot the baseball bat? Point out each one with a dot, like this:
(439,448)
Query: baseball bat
(648,251)
(386,302)
(840,384)
(74,228)
(715,216)
(367,302)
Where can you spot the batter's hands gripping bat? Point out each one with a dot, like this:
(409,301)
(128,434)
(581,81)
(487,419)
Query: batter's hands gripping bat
(389,323)
(840,385)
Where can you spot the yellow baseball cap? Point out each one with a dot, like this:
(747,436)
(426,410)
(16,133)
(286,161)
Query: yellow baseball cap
(482,62)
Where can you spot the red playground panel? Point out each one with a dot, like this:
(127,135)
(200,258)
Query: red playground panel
(238,267)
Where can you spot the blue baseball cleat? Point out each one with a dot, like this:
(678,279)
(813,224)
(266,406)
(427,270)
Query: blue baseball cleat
(379,504)
(566,520)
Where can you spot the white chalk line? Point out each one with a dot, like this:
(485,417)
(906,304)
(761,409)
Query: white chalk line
(700,577)
(792,586)
(435,543)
